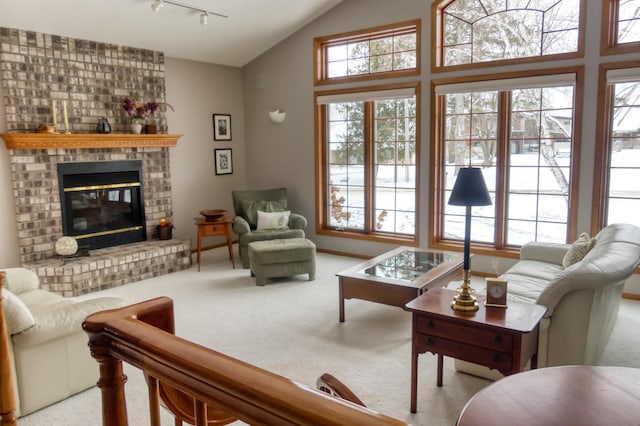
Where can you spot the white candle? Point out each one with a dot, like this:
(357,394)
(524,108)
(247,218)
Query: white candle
(64,114)
(55,115)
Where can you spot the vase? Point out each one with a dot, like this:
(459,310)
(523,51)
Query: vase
(165,232)
(136,128)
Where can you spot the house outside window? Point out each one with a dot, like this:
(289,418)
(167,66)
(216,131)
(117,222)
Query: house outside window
(520,132)
(368,174)
(617,171)
(472,33)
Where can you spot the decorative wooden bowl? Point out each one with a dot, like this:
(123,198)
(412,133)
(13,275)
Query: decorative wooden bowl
(213,215)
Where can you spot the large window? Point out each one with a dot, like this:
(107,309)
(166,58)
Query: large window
(474,32)
(616,189)
(620,26)
(368,150)
(520,132)
(388,51)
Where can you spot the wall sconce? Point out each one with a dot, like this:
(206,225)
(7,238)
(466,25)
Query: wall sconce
(277,115)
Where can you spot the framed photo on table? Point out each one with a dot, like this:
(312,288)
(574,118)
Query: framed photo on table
(221,127)
(224,161)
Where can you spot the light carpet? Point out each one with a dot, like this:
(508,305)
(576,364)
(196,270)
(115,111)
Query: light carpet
(290,327)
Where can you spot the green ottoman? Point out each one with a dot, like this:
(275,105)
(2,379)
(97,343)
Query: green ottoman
(282,258)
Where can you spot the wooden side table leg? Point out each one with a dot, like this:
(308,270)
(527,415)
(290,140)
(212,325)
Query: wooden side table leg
(227,229)
(440,365)
(414,379)
(199,247)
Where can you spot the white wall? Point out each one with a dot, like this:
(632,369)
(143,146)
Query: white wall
(198,90)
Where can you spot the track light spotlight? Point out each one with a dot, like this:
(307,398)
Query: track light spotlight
(156,5)
(204,18)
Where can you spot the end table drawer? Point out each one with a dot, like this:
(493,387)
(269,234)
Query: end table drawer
(213,230)
(468,334)
(492,359)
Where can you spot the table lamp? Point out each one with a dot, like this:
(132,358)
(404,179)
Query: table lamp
(469,190)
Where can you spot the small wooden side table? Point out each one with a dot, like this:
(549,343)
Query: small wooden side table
(215,228)
(504,339)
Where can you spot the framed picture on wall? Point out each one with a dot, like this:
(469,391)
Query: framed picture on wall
(221,127)
(224,161)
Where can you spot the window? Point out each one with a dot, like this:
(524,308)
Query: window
(519,131)
(620,26)
(473,32)
(617,171)
(388,51)
(368,150)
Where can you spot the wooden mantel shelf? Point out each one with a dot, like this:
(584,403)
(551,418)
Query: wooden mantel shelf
(87,140)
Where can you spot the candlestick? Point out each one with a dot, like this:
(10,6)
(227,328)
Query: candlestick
(66,118)
(55,115)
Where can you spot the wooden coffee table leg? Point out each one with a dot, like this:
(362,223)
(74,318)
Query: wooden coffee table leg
(341,300)
(440,364)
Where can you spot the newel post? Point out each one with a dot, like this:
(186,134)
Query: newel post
(112,377)
(7,398)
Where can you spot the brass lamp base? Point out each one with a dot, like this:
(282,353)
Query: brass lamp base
(465,301)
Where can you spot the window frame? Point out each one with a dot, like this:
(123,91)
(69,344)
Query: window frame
(436,199)
(600,200)
(609,31)
(437,37)
(322,219)
(320,45)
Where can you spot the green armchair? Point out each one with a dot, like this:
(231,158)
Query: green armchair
(264,215)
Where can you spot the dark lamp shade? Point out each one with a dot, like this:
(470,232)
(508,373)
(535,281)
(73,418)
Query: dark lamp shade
(470,189)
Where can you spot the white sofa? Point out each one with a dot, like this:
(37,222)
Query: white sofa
(50,358)
(582,300)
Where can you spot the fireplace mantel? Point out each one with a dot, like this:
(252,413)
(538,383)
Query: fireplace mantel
(88,140)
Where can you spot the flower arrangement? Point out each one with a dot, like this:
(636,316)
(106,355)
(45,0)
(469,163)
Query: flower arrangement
(138,111)
(165,223)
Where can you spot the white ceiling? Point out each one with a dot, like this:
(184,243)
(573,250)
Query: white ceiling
(252,26)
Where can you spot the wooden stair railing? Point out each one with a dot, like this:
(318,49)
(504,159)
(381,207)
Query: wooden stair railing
(7,398)
(201,386)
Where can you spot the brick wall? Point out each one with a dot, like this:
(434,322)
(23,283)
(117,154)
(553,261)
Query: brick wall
(93,78)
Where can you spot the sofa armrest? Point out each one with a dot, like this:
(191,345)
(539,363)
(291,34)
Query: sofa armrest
(64,321)
(297,221)
(544,252)
(240,225)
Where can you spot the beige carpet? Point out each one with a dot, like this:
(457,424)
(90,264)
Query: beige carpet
(291,327)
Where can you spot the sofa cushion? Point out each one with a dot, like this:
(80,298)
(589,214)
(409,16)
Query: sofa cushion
(273,220)
(19,280)
(578,250)
(17,315)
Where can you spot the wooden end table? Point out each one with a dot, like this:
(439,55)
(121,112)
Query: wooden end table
(215,228)
(398,276)
(504,339)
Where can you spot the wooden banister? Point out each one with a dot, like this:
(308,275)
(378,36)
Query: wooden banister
(7,398)
(202,386)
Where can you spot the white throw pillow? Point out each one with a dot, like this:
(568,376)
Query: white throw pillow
(273,220)
(17,315)
(578,250)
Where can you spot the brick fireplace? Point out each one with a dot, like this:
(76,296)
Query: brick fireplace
(34,161)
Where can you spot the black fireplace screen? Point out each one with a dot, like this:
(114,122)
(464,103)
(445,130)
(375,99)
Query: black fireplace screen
(102,202)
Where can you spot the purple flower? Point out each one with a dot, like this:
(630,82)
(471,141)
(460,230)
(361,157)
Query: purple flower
(139,111)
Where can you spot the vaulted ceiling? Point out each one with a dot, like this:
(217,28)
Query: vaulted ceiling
(250,27)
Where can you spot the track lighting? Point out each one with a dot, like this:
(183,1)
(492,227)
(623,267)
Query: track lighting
(156,5)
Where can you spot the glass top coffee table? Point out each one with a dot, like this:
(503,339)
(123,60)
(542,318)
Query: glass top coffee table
(398,276)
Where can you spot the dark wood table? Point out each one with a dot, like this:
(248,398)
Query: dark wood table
(566,395)
(214,228)
(504,339)
(398,276)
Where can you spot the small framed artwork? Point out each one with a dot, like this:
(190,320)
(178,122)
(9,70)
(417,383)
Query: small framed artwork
(224,161)
(221,127)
